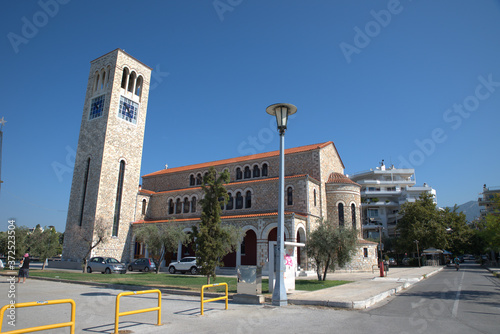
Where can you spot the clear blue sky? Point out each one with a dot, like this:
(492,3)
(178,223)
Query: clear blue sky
(416,83)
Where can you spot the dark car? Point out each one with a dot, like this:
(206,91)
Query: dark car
(187,264)
(106,265)
(144,264)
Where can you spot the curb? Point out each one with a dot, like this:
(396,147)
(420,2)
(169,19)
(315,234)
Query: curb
(364,304)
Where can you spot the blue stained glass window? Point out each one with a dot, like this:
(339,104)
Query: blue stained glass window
(96,107)
(128,110)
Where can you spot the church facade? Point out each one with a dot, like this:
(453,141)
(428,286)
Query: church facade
(106,180)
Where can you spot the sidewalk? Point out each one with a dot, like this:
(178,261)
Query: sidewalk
(366,290)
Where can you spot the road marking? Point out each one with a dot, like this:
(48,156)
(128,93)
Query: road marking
(457,298)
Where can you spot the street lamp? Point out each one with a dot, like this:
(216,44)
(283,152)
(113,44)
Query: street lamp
(281,111)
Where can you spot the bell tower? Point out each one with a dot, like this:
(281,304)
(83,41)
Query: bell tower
(108,160)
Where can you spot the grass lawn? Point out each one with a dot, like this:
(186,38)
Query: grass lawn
(181,282)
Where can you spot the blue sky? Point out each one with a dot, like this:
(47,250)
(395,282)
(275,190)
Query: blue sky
(416,83)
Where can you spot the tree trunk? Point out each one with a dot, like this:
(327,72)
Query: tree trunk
(326,268)
(208,279)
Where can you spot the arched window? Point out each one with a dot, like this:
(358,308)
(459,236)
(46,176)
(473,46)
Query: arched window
(85,183)
(144,203)
(341,214)
(256,171)
(314,194)
(186,205)
(205,175)
(170,207)
(239,201)
(248,174)
(221,202)
(138,86)
(264,170)
(191,180)
(353,214)
(125,78)
(178,206)
(118,203)
(198,179)
(103,79)
(131,82)
(248,200)
(289,196)
(96,83)
(239,175)
(230,202)
(193,204)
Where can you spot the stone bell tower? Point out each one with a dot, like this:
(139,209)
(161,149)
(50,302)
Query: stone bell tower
(108,159)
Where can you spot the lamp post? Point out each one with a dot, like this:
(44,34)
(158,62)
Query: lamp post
(281,111)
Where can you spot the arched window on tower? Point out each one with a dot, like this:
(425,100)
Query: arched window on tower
(125,77)
(341,214)
(144,204)
(118,202)
(186,205)
(171,207)
(248,200)
(256,171)
(239,201)
(198,179)
(289,196)
(264,170)
(138,86)
(96,83)
(191,180)
(131,82)
(353,214)
(314,194)
(103,80)
(239,175)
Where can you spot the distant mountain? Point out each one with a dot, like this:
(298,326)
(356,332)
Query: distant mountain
(471,210)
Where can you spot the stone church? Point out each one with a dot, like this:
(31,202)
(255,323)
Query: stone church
(105,190)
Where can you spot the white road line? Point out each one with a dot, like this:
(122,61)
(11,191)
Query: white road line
(457,298)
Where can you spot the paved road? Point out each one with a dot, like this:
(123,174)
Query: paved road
(466,301)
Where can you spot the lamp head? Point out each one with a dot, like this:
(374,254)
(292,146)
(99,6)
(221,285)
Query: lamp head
(281,111)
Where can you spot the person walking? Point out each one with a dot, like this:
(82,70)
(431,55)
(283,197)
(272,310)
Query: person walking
(24,269)
(457,262)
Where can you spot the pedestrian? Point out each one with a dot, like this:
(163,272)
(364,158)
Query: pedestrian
(457,262)
(24,268)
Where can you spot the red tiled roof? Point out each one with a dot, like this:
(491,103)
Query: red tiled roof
(244,158)
(269,214)
(147,192)
(340,178)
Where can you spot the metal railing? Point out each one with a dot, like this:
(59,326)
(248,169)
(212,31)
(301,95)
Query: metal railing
(226,297)
(70,324)
(131,293)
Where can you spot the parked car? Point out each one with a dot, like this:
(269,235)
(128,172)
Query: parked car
(143,264)
(184,265)
(106,265)
(393,262)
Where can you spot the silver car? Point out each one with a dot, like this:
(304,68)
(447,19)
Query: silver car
(184,265)
(106,265)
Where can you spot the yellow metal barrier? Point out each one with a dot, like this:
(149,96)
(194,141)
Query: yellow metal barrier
(117,308)
(70,324)
(213,299)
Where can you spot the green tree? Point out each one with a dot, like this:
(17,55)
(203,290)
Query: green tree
(44,243)
(160,239)
(330,247)
(458,232)
(91,235)
(421,221)
(491,232)
(213,241)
